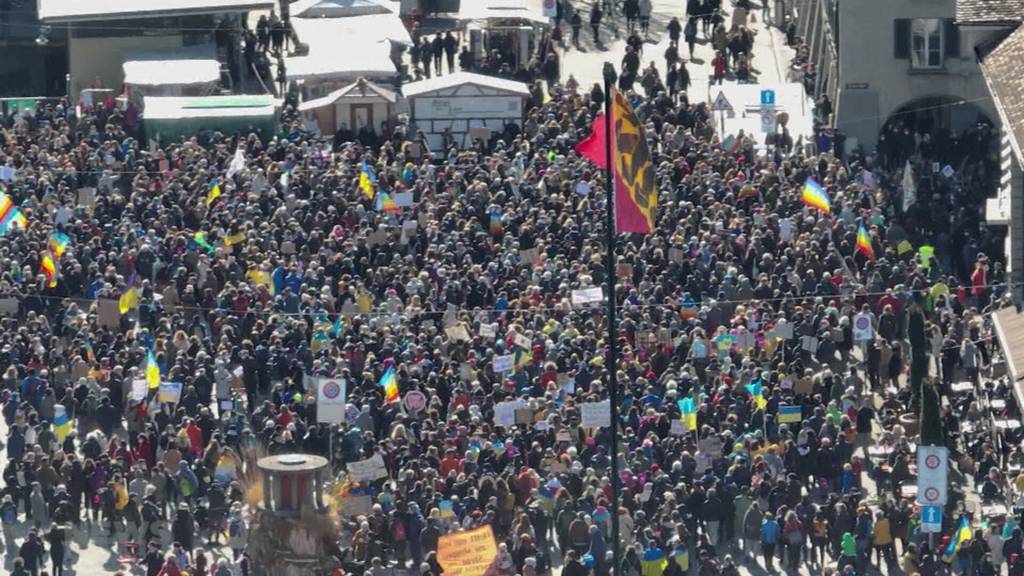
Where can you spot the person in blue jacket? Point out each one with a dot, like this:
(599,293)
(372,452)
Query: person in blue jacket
(770,531)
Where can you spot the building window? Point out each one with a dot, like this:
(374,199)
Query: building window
(926,43)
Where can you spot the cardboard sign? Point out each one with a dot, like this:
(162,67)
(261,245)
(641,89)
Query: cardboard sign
(712,445)
(368,470)
(505,412)
(809,343)
(8,306)
(87,198)
(531,256)
(467,553)
(457,333)
(624,270)
(466,372)
(524,415)
(376,238)
(522,341)
(587,296)
(109,315)
(783,330)
(596,414)
(356,505)
(503,363)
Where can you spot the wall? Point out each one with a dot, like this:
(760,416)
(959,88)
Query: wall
(103,58)
(866,57)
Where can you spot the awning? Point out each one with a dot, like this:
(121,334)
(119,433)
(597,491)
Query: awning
(1009,325)
(170,72)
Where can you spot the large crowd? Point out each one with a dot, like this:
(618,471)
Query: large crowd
(742,300)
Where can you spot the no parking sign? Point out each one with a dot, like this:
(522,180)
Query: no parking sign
(932,475)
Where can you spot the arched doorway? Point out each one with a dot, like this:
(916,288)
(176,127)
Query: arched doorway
(946,129)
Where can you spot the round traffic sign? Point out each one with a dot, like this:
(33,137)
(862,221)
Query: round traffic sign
(932,461)
(331,390)
(862,323)
(931,494)
(415,401)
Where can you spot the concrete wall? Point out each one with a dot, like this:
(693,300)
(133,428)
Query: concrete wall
(873,83)
(92,58)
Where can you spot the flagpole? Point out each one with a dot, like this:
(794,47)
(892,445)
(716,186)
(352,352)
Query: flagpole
(613,346)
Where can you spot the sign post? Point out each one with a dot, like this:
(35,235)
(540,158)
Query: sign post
(931,519)
(721,105)
(932,475)
(768,111)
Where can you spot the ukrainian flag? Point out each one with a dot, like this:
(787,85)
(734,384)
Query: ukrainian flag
(757,392)
(152,371)
(688,411)
(367,180)
(61,422)
(962,534)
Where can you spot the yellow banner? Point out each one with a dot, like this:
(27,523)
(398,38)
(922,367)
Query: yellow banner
(468,553)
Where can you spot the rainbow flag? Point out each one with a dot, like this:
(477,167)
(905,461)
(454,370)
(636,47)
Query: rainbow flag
(214,193)
(385,203)
(367,180)
(688,413)
(962,534)
(495,223)
(390,385)
(61,422)
(58,243)
(864,242)
(49,268)
(152,371)
(10,216)
(816,197)
(689,309)
(90,356)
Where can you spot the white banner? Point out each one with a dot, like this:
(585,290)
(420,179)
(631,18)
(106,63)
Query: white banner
(330,400)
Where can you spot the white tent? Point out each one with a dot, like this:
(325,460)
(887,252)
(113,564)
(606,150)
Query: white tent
(500,9)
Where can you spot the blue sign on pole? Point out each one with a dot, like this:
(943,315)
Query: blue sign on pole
(767,97)
(931,519)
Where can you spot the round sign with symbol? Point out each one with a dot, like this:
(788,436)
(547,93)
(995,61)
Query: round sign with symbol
(863,323)
(415,401)
(550,9)
(931,494)
(932,461)
(331,390)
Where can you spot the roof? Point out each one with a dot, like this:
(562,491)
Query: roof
(1000,67)
(347,47)
(1009,326)
(500,9)
(337,8)
(440,82)
(151,72)
(989,11)
(173,108)
(82,10)
(360,88)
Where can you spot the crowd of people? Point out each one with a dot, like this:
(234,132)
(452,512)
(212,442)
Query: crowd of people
(741,301)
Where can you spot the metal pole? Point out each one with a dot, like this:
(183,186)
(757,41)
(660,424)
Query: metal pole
(613,346)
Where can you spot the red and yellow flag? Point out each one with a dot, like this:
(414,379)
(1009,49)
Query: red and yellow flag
(636,189)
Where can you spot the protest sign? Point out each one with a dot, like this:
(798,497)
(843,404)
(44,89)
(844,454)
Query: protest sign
(531,256)
(678,428)
(596,414)
(108,314)
(414,401)
(330,400)
(587,296)
(368,470)
(467,553)
(522,341)
(457,332)
(356,505)
(505,412)
(712,445)
(8,306)
(140,388)
(169,392)
(488,330)
(404,199)
(503,363)
(676,255)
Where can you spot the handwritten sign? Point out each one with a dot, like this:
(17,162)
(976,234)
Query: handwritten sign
(522,341)
(587,296)
(468,553)
(505,412)
(488,330)
(596,414)
(503,363)
(368,470)
(356,505)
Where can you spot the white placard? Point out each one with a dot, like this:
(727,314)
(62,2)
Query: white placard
(596,414)
(505,412)
(587,296)
(368,470)
(503,363)
(809,343)
(488,330)
(457,332)
(140,389)
(404,199)
(783,330)
(330,400)
(862,330)
(677,429)
(522,341)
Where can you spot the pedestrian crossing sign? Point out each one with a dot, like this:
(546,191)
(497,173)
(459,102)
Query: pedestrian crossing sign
(721,103)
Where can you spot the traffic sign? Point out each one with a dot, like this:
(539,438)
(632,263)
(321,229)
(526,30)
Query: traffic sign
(767,97)
(932,475)
(931,519)
(768,119)
(721,103)
(550,9)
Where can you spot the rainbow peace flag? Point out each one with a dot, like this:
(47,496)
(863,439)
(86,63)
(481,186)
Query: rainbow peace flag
(816,197)
(58,243)
(152,371)
(864,242)
(390,385)
(496,226)
(689,309)
(49,268)
(386,203)
(10,216)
